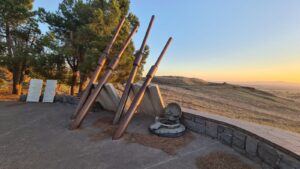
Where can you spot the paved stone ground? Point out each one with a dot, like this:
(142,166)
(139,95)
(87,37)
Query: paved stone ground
(35,136)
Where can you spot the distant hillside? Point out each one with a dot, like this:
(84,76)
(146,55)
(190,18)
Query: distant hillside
(276,85)
(241,102)
(178,80)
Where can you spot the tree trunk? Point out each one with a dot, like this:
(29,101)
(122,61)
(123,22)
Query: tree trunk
(17,87)
(82,83)
(74,81)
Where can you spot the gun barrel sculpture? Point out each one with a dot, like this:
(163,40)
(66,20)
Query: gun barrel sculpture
(136,65)
(112,65)
(139,96)
(100,65)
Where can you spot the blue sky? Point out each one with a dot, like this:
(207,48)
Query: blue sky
(218,40)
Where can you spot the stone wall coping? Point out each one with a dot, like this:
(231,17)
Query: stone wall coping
(285,141)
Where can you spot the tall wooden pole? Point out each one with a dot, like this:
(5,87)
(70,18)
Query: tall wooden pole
(136,65)
(139,96)
(112,65)
(100,65)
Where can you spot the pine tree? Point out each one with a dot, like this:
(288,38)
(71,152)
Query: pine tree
(18,36)
(84,28)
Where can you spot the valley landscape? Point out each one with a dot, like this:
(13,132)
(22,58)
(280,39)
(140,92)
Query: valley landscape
(267,106)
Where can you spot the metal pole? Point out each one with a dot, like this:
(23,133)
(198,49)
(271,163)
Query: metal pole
(101,63)
(112,65)
(136,65)
(139,96)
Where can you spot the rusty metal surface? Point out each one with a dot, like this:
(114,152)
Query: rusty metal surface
(101,63)
(113,63)
(136,65)
(139,96)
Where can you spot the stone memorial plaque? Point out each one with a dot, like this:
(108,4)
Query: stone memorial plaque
(50,91)
(34,91)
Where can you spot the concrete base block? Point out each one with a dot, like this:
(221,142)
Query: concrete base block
(225,135)
(287,162)
(194,126)
(239,141)
(152,102)
(251,146)
(211,129)
(268,154)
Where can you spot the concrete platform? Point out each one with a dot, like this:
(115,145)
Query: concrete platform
(35,136)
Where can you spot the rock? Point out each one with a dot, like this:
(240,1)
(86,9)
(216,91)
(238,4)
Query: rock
(23,98)
(64,99)
(58,99)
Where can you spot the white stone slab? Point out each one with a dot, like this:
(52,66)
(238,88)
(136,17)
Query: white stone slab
(34,91)
(50,91)
(108,98)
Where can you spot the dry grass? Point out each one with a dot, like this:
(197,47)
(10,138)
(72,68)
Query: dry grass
(8,97)
(233,101)
(221,160)
(168,145)
(105,124)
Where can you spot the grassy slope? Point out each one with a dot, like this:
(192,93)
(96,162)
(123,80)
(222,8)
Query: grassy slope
(233,101)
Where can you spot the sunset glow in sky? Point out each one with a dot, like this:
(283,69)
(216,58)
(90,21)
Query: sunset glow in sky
(217,40)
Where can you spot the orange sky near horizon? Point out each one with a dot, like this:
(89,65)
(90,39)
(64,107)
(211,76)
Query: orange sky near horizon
(286,73)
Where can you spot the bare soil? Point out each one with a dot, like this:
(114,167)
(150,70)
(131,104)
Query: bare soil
(221,160)
(168,145)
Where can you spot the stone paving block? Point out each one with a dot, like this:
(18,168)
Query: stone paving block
(196,127)
(225,135)
(251,146)
(287,162)
(266,166)
(199,120)
(211,129)
(238,141)
(188,116)
(268,154)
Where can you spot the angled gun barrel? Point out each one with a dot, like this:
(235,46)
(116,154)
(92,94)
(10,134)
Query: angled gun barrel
(139,96)
(112,65)
(136,65)
(100,65)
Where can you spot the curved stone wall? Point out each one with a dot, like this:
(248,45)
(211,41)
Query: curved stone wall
(264,152)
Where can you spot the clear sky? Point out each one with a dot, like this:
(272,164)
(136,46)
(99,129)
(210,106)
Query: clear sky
(218,40)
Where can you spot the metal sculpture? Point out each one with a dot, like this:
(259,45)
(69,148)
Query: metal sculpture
(112,65)
(100,65)
(139,96)
(132,75)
